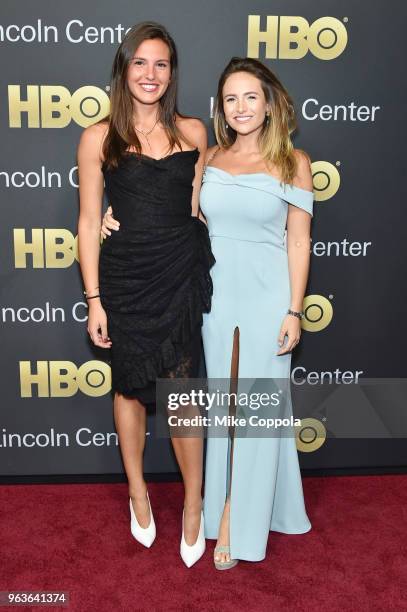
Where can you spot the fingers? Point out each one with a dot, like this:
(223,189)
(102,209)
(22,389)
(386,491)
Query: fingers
(292,342)
(103,330)
(104,232)
(111,222)
(99,337)
(109,219)
(292,330)
(281,337)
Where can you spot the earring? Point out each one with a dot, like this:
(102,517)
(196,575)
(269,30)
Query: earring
(226,125)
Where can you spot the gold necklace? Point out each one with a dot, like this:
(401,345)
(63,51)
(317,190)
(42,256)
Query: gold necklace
(146,133)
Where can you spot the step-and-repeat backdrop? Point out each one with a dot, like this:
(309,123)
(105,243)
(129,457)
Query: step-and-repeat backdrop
(342,63)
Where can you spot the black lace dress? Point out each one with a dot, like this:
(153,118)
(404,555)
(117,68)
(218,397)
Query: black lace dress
(154,272)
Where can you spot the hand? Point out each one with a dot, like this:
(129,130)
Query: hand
(291,327)
(97,326)
(108,223)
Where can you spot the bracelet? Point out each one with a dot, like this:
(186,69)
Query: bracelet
(300,314)
(92,296)
(86,293)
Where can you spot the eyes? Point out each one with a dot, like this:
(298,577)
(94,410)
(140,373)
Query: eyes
(162,65)
(251,97)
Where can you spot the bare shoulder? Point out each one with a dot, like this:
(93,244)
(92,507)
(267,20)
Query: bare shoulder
(91,140)
(194,131)
(303,177)
(210,152)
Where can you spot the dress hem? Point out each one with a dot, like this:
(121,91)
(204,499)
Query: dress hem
(291,532)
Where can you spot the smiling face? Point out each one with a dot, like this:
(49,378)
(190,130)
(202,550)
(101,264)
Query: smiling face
(149,71)
(244,102)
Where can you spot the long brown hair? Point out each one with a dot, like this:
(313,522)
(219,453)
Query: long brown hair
(121,133)
(274,138)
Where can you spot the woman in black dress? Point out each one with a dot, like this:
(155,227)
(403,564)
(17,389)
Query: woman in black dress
(149,284)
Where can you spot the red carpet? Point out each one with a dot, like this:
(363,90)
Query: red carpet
(76,538)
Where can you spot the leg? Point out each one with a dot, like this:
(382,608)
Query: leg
(189,454)
(130,421)
(223,535)
(189,450)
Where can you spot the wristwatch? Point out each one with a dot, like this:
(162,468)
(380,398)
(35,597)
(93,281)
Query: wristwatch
(300,315)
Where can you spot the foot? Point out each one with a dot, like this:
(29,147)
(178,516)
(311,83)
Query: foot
(192,521)
(223,535)
(140,505)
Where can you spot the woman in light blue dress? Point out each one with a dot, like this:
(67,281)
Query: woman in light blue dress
(255,186)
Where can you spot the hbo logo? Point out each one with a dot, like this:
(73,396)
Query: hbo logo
(292,37)
(50,248)
(47,248)
(64,378)
(53,106)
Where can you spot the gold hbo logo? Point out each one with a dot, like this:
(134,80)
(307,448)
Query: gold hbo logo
(326,180)
(53,106)
(310,435)
(45,248)
(64,378)
(318,313)
(289,37)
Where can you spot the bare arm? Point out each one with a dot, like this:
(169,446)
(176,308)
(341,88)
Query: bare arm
(91,194)
(195,131)
(208,156)
(298,250)
(299,237)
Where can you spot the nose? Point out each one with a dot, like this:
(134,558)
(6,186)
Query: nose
(241,106)
(150,72)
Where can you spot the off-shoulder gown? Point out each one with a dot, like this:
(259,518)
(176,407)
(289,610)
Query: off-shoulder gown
(246,217)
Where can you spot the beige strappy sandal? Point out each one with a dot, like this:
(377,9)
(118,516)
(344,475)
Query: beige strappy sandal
(225,565)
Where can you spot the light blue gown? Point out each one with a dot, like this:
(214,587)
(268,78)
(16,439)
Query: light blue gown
(246,215)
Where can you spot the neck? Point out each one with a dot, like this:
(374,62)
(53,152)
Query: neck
(145,115)
(247,143)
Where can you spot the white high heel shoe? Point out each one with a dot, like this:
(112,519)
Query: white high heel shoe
(144,535)
(191,554)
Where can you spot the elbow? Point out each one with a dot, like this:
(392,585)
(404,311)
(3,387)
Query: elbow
(88,226)
(299,242)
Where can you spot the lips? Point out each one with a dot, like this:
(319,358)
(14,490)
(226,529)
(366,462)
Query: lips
(243,118)
(149,87)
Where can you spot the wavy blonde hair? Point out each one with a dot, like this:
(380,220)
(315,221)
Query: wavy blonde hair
(275,135)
